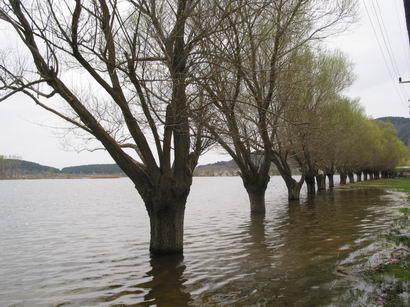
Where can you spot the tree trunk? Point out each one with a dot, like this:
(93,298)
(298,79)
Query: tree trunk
(256,188)
(376,175)
(310,183)
(351,177)
(321,182)
(167,226)
(359,176)
(331,181)
(294,188)
(365,176)
(343,178)
(371,176)
(257,200)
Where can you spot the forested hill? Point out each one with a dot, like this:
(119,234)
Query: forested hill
(229,168)
(93,169)
(221,168)
(14,168)
(402,125)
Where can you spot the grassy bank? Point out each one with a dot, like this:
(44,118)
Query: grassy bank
(391,279)
(398,184)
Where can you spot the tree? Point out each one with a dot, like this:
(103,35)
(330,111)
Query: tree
(244,65)
(136,58)
(306,129)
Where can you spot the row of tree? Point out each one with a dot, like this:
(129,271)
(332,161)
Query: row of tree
(335,138)
(158,83)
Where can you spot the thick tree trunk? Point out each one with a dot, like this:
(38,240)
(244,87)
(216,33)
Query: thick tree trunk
(359,176)
(343,178)
(310,183)
(257,201)
(331,181)
(294,188)
(371,176)
(167,226)
(351,177)
(256,188)
(293,185)
(321,182)
(365,176)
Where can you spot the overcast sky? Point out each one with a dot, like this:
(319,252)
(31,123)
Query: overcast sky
(26,130)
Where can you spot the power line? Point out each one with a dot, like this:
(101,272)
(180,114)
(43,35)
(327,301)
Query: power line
(387,43)
(389,70)
(404,41)
(385,37)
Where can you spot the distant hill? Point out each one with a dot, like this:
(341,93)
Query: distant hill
(229,168)
(402,125)
(13,168)
(221,168)
(16,169)
(93,169)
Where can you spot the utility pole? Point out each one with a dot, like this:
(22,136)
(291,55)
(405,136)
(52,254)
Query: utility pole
(407,14)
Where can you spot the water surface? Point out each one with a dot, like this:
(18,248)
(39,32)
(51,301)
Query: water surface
(85,242)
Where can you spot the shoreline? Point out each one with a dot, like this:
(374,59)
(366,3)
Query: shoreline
(389,280)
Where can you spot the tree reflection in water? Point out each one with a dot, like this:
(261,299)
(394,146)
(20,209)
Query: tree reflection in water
(166,288)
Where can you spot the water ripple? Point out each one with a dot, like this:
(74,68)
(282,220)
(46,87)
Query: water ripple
(85,242)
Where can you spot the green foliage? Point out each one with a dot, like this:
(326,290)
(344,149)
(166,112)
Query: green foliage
(402,125)
(322,129)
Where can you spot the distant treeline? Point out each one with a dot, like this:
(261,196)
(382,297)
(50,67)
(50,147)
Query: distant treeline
(15,169)
(93,169)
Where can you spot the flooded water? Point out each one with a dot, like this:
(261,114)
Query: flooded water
(85,242)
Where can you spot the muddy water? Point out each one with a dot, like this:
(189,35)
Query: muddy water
(85,242)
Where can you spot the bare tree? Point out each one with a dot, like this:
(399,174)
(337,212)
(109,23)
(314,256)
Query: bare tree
(244,66)
(131,62)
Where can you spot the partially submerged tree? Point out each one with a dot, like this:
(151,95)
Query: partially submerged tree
(306,129)
(243,69)
(362,146)
(136,57)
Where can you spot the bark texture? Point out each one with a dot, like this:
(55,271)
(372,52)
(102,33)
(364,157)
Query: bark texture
(321,182)
(343,178)
(331,181)
(256,188)
(294,188)
(167,223)
(257,201)
(310,183)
